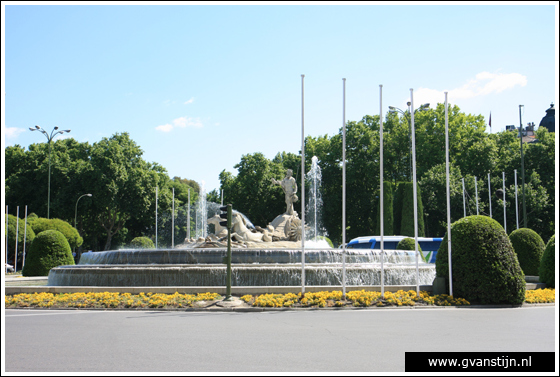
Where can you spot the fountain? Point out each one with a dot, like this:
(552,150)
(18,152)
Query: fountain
(314,204)
(261,257)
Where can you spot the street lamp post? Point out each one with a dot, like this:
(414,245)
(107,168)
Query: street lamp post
(49,139)
(76,215)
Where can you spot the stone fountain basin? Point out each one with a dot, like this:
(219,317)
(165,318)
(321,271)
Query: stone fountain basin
(288,274)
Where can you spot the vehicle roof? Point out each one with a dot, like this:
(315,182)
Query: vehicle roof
(369,239)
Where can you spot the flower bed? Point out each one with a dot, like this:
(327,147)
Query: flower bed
(290,300)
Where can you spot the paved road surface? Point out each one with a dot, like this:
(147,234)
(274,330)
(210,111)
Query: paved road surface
(372,340)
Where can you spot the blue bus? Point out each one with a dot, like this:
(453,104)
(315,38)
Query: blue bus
(429,245)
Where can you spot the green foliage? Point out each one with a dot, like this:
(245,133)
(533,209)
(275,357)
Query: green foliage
(408,244)
(41,224)
(407,221)
(529,247)
(548,264)
(485,268)
(398,207)
(326,239)
(49,249)
(387,211)
(142,243)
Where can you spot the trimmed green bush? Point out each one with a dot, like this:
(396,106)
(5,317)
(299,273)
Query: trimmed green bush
(407,220)
(408,244)
(485,267)
(529,247)
(326,239)
(72,236)
(548,263)
(142,243)
(387,211)
(397,208)
(49,249)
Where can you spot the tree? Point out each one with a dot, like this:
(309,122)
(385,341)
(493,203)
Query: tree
(123,185)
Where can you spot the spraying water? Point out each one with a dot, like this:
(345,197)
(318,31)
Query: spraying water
(314,208)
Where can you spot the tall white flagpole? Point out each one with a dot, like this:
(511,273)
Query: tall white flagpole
(382,217)
(24,237)
(189,216)
(464,205)
(344,188)
(17,234)
(489,195)
(414,192)
(448,198)
(504,198)
(516,204)
(173,219)
(302,191)
(156,214)
(476,194)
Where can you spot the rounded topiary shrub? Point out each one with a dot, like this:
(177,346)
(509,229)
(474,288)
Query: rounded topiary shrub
(548,263)
(408,244)
(529,247)
(72,236)
(485,268)
(142,243)
(49,249)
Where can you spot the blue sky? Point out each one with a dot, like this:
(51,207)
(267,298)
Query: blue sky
(198,86)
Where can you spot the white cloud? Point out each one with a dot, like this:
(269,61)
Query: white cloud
(164,128)
(483,84)
(190,101)
(181,122)
(13,132)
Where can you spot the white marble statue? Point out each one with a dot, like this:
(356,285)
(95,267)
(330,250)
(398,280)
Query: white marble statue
(289,186)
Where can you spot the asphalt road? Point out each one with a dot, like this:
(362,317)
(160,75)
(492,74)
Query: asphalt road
(373,340)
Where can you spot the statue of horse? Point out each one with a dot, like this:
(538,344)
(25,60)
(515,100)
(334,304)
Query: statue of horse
(240,232)
(221,231)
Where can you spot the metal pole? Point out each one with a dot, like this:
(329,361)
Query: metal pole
(516,203)
(156,215)
(343,188)
(303,190)
(49,189)
(489,195)
(522,169)
(504,198)
(24,238)
(464,204)
(6,249)
(17,234)
(382,217)
(228,273)
(448,198)
(414,191)
(189,216)
(476,194)
(173,219)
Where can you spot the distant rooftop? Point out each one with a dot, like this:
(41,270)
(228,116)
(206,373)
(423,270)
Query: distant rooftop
(548,121)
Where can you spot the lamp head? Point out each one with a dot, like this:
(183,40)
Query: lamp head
(37,127)
(56,127)
(89,195)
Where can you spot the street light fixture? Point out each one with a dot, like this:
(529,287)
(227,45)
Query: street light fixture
(49,139)
(76,214)
(406,114)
